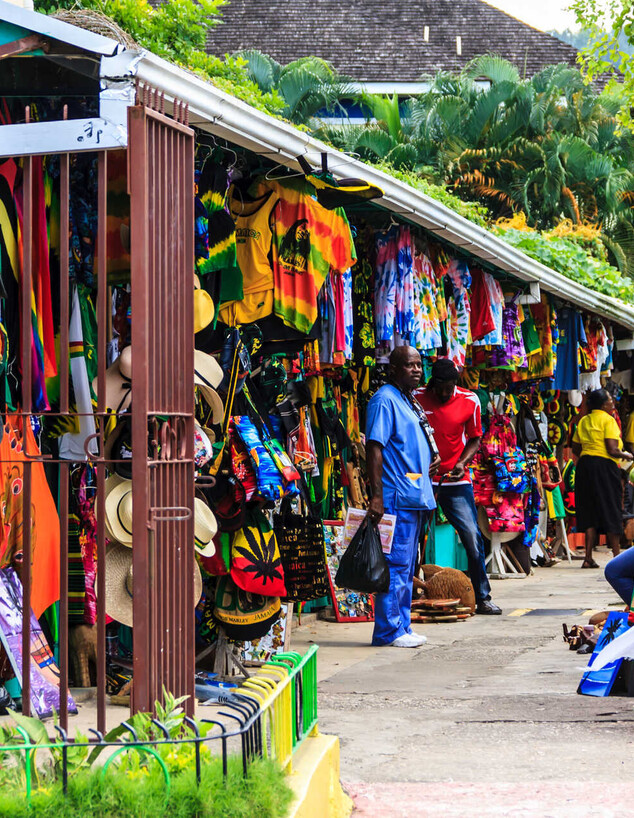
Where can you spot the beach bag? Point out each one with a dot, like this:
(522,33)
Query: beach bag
(242,615)
(511,472)
(549,471)
(256,564)
(363,566)
(499,437)
(303,552)
(269,478)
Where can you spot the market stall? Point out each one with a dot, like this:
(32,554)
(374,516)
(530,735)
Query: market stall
(216,374)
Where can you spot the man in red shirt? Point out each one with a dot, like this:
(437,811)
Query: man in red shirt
(454,414)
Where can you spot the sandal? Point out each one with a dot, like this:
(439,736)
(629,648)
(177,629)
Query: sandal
(591,564)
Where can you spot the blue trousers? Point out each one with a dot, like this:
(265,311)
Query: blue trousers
(459,508)
(619,572)
(392,611)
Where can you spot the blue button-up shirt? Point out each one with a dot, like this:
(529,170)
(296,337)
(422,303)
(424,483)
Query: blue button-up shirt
(393,423)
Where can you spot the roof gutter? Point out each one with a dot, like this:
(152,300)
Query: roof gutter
(229,117)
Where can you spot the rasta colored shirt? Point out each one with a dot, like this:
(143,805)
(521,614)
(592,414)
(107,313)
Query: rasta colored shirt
(308,240)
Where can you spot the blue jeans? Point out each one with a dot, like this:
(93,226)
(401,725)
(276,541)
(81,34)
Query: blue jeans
(619,572)
(392,611)
(459,508)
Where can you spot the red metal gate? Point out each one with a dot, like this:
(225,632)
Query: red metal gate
(161,185)
(161,179)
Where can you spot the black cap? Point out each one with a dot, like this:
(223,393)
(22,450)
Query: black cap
(444,370)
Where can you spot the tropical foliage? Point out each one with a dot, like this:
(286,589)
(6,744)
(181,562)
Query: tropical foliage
(306,85)
(548,146)
(608,50)
(176,30)
(578,255)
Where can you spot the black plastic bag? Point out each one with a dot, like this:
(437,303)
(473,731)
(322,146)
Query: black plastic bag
(363,566)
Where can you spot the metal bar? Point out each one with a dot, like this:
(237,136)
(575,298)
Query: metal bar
(102,340)
(26,341)
(63,596)
(138,163)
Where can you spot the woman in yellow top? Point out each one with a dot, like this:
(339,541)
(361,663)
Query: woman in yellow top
(598,490)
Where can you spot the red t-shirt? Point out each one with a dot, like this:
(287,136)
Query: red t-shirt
(453,423)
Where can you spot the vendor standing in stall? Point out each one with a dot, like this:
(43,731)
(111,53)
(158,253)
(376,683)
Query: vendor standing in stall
(598,488)
(401,456)
(454,414)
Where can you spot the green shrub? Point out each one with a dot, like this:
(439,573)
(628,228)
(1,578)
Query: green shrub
(263,793)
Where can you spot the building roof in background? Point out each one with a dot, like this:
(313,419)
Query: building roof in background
(378,41)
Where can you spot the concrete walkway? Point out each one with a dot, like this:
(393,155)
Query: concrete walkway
(485,718)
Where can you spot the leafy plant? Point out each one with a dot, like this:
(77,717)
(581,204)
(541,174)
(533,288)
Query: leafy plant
(571,260)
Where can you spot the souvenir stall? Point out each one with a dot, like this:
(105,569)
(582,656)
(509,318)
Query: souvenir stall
(301,283)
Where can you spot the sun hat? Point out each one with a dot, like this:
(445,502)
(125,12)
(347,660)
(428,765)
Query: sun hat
(207,370)
(205,528)
(204,310)
(118,387)
(119,509)
(119,584)
(215,403)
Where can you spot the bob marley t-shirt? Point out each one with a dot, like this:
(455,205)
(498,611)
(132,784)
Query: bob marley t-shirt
(308,240)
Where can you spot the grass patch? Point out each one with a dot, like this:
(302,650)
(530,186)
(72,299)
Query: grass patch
(140,792)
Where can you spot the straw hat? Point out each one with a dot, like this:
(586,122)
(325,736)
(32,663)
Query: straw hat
(119,585)
(119,509)
(118,391)
(204,310)
(215,403)
(205,529)
(207,370)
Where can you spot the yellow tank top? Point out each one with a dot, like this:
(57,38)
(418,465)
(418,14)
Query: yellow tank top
(253,244)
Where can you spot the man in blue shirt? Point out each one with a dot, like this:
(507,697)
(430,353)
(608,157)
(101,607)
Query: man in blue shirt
(400,460)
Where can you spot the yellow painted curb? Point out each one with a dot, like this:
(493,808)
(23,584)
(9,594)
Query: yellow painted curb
(315,780)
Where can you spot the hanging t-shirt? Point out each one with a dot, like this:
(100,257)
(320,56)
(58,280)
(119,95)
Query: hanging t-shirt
(426,318)
(571,333)
(253,245)
(459,310)
(541,364)
(307,240)
(482,321)
(385,284)
(496,306)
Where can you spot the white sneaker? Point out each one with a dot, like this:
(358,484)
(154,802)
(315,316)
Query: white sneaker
(409,640)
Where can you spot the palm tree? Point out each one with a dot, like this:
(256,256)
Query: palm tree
(307,85)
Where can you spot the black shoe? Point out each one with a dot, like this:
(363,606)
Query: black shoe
(488,608)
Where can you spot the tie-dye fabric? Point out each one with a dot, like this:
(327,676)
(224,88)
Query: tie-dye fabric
(459,311)
(426,318)
(386,284)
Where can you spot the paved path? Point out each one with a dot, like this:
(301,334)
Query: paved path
(484,719)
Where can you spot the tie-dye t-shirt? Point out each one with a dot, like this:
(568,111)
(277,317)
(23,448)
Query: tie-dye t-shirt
(308,241)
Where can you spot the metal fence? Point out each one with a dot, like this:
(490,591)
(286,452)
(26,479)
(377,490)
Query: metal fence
(270,716)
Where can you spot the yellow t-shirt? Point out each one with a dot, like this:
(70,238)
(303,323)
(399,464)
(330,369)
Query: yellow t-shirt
(592,431)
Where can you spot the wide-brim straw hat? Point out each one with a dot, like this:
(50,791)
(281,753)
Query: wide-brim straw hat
(204,310)
(207,371)
(205,528)
(119,509)
(119,586)
(214,402)
(118,387)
